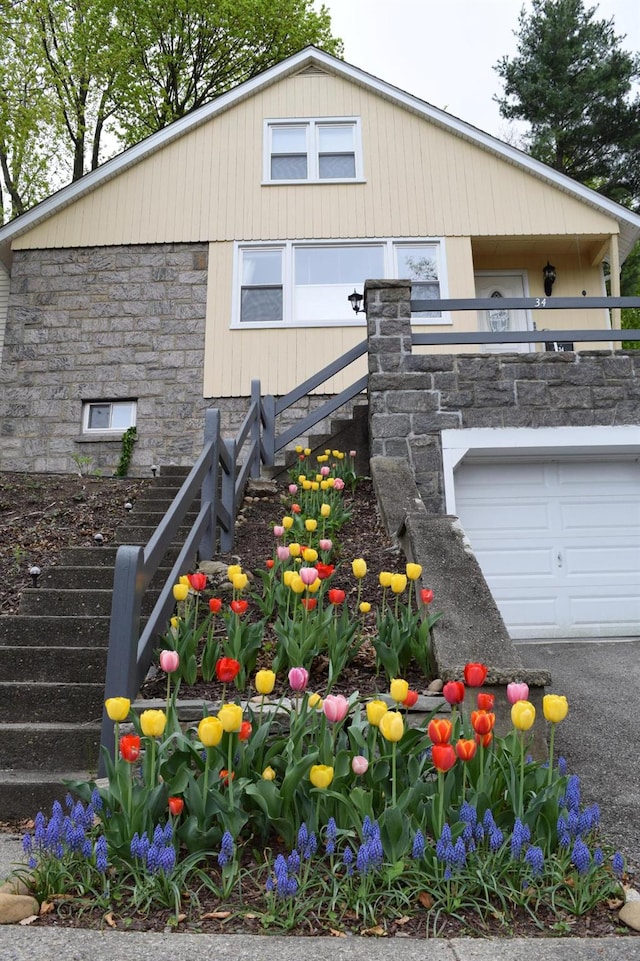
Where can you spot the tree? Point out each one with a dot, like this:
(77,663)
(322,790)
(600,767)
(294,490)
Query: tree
(572,82)
(184,53)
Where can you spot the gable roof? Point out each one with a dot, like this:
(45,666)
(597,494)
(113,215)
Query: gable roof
(311,59)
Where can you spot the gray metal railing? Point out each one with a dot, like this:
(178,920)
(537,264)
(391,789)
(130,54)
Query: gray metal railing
(223,468)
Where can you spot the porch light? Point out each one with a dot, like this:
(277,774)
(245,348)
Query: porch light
(355,299)
(549,275)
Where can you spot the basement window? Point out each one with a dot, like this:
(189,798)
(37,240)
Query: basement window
(108,416)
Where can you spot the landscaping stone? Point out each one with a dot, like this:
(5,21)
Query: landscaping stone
(630,915)
(17,907)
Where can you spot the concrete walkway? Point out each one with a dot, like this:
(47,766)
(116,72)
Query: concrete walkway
(599,739)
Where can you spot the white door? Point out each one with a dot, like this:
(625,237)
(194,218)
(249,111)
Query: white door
(558,542)
(497,286)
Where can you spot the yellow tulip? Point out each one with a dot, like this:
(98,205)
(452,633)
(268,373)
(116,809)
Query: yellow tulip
(297,585)
(331,481)
(359,567)
(310,555)
(295,549)
(385,578)
(311,524)
(315,701)
(175,623)
(321,775)
(232,570)
(287,522)
(325,509)
(117,708)
(184,580)
(307,451)
(398,583)
(336,453)
(319,478)
(326,454)
(324,485)
(153,723)
(306,485)
(365,607)
(414,571)
(302,478)
(523,715)
(230,716)
(398,689)
(210,731)
(265,681)
(287,577)
(375,711)
(180,591)
(391,726)
(299,449)
(239,581)
(317,584)
(555,707)
(315,486)
(268,774)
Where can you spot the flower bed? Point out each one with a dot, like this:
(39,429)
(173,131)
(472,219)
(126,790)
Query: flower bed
(317,802)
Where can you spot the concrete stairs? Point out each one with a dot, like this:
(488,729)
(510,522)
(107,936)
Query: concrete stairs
(345,433)
(53,657)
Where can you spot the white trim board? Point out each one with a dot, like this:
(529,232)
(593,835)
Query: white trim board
(528,442)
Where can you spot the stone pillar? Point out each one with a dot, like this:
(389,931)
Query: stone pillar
(387,303)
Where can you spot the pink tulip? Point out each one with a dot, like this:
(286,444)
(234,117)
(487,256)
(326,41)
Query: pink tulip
(517,692)
(338,484)
(278,530)
(335,707)
(352,453)
(359,765)
(282,552)
(169,661)
(325,544)
(325,471)
(308,575)
(293,488)
(298,679)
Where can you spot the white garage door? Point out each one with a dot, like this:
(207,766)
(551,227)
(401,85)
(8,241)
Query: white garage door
(558,542)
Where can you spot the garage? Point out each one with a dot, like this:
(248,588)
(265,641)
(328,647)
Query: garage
(557,538)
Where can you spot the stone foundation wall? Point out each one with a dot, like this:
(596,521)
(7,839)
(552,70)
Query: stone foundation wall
(412,397)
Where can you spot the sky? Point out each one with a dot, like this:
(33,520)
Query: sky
(444,51)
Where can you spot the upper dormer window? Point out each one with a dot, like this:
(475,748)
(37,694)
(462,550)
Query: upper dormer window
(312,151)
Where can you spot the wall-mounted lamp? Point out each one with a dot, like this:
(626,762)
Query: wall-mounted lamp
(549,275)
(355,299)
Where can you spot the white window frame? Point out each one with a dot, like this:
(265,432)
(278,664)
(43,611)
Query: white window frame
(312,124)
(112,431)
(288,248)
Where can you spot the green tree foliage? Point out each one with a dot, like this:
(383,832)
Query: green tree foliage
(572,82)
(73,70)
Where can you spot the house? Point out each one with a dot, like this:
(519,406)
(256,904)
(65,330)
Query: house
(224,247)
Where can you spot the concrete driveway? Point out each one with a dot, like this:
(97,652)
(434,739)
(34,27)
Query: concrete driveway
(600,737)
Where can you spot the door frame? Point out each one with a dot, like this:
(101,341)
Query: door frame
(529,325)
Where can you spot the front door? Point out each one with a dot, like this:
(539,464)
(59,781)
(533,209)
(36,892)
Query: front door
(496,286)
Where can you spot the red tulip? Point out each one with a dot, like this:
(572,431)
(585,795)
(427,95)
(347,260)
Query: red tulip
(226,669)
(246,730)
(269,563)
(324,570)
(484,739)
(482,721)
(296,509)
(309,603)
(239,607)
(198,581)
(426,595)
(410,699)
(176,805)
(466,749)
(215,605)
(439,730)
(443,757)
(453,692)
(224,776)
(130,747)
(475,674)
(336,596)
(485,701)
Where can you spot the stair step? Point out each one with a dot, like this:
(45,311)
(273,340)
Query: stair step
(23,793)
(151,518)
(49,701)
(82,603)
(51,747)
(67,664)
(142,535)
(102,557)
(45,631)
(88,578)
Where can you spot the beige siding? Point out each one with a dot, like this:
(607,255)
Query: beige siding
(420,181)
(4,304)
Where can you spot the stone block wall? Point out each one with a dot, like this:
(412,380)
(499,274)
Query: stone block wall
(413,397)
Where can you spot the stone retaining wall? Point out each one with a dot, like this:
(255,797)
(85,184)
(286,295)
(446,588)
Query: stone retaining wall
(413,397)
